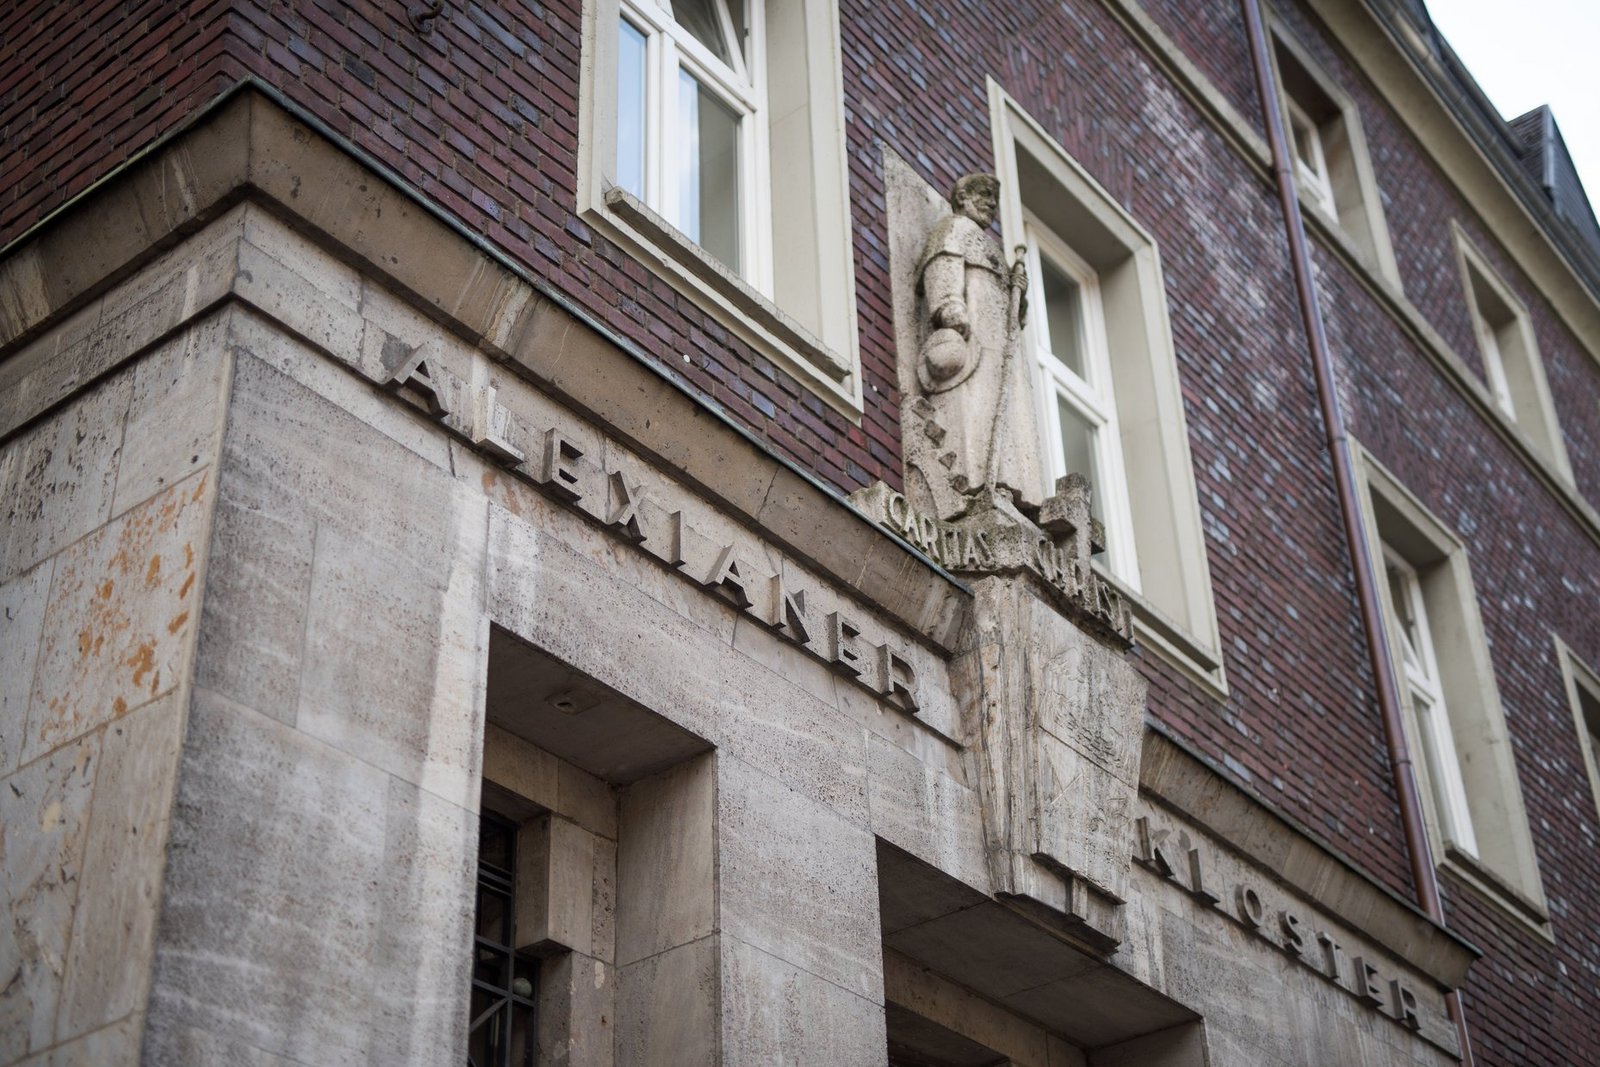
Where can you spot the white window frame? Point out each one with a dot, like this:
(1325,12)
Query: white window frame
(1512,368)
(1425,691)
(1314,171)
(1494,361)
(1174,613)
(670,48)
(1498,860)
(1093,395)
(1583,681)
(796,309)
(1342,189)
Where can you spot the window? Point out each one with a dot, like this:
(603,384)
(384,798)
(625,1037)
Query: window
(688,101)
(1419,664)
(1511,366)
(1077,399)
(711,133)
(1455,728)
(1332,168)
(1106,384)
(1583,692)
(1312,161)
(501,1028)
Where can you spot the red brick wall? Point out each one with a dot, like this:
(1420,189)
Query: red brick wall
(1423,203)
(480,116)
(1535,572)
(81,92)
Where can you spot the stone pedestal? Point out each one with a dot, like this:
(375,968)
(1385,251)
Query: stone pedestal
(1052,708)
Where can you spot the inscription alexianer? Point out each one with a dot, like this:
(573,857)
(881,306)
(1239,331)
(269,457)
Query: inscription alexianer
(623,505)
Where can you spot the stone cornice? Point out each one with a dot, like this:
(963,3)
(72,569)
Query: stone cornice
(251,146)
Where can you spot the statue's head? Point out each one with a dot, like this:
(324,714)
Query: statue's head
(977,196)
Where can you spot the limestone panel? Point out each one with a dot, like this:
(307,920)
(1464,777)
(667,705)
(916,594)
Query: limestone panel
(357,400)
(57,479)
(423,928)
(797,880)
(258,587)
(1085,817)
(276,886)
(780,729)
(22,603)
(312,293)
(666,861)
(167,1042)
(776,1013)
(44,813)
(111,1046)
(124,858)
(175,413)
(405,549)
(927,813)
(159,299)
(1090,697)
(578,1011)
(293,452)
(402,694)
(554,598)
(667,1007)
(122,606)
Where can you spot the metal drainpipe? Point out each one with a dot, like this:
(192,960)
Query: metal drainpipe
(1372,623)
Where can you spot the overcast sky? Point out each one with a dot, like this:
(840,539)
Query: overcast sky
(1531,52)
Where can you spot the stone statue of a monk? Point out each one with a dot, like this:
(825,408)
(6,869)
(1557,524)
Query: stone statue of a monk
(970,370)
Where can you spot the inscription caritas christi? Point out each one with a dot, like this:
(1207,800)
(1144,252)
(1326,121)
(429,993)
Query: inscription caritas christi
(994,537)
(556,463)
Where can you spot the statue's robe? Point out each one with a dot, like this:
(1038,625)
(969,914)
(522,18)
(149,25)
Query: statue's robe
(960,262)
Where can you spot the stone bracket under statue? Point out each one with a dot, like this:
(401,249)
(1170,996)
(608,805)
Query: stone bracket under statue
(1052,706)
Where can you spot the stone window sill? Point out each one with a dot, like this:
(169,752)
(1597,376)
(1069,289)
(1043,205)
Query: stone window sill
(730,299)
(1471,871)
(1169,639)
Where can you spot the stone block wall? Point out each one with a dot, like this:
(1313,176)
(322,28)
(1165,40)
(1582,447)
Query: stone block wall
(106,510)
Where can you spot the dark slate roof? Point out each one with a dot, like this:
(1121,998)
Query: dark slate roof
(1528,150)
(1546,160)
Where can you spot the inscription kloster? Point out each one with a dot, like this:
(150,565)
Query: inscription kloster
(1173,856)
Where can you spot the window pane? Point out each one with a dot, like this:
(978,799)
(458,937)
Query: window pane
(699,17)
(630,109)
(1410,638)
(1077,449)
(708,173)
(1063,311)
(1431,756)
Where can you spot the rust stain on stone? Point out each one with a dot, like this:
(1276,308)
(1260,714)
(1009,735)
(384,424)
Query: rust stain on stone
(177,623)
(188,557)
(105,590)
(143,661)
(188,584)
(119,706)
(152,575)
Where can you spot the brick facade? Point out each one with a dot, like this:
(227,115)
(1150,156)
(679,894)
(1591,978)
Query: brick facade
(480,116)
